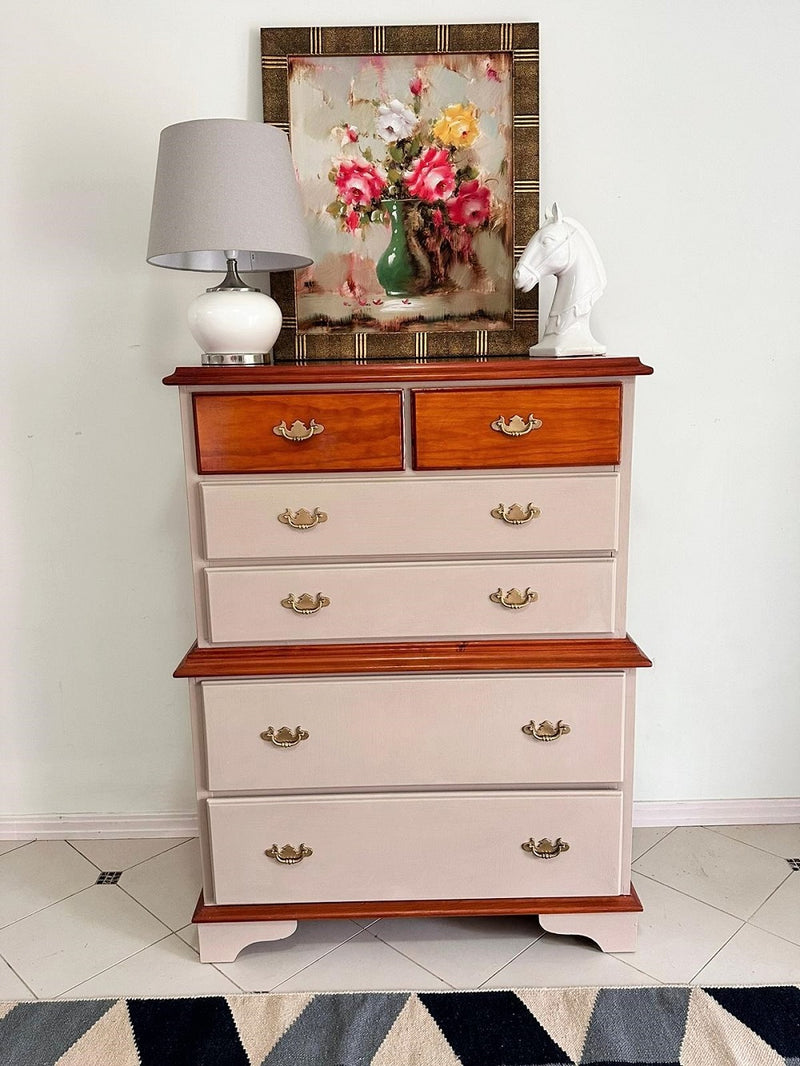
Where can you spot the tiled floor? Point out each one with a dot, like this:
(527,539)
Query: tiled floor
(722,905)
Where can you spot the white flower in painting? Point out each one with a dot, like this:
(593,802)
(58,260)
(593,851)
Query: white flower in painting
(395,121)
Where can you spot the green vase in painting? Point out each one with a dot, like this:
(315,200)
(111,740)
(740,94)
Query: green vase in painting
(403,269)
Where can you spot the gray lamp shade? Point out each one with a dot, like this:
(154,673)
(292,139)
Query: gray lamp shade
(226,184)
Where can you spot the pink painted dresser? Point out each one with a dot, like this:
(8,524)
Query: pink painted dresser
(412,690)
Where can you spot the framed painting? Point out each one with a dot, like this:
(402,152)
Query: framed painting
(417,153)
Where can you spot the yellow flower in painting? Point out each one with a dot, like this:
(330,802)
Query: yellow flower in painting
(458,126)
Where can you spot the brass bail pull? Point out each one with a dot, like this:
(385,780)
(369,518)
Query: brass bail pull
(288,855)
(546,731)
(517,426)
(545,849)
(513,599)
(515,515)
(306,603)
(302,519)
(284,737)
(298,431)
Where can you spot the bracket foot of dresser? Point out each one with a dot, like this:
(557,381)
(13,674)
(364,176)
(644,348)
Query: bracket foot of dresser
(611,932)
(222,941)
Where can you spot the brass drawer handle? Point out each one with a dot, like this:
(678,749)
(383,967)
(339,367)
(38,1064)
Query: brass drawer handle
(545,731)
(515,515)
(545,849)
(298,431)
(306,603)
(303,519)
(517,426)
(287,855)
(284,737)
(514,599)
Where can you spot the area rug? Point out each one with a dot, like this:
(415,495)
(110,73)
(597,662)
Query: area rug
(662,1026)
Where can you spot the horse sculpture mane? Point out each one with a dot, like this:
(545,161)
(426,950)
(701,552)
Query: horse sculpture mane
(563,248)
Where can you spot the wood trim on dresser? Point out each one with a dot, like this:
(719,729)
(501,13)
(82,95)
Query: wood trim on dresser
(417,908)
(455,656)
(452,370)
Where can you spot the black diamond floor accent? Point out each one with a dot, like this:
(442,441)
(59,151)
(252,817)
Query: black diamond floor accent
(108,877)
(794,863)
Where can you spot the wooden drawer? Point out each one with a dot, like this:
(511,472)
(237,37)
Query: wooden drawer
(414,731)
(236,432)
(409,516)
(372,602)
(416,846)
(559,425)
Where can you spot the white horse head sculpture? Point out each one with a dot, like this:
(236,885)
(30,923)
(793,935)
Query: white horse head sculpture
(562,247)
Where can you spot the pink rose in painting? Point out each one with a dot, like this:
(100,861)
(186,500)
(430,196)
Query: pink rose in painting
(470,207)
(492,74)
(431,176)
(359,182)
(351,221)
(415,85)
(350,135)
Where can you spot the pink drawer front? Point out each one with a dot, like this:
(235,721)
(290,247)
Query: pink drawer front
(402,516)
(416,846)
(482,730)
(404,600)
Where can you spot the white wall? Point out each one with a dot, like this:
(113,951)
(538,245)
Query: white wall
(668,129)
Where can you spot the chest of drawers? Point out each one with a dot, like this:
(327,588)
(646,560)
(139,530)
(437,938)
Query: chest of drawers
(412,690)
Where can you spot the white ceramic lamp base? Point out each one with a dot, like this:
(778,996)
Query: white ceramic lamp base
(235,327)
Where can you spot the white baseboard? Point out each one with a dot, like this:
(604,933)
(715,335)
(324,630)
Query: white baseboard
(716,812)
(107,826)
(184,823)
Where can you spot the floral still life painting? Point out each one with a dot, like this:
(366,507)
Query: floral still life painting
(404,167)
(416,152)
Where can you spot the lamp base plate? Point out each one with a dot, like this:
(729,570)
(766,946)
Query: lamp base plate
(235,359)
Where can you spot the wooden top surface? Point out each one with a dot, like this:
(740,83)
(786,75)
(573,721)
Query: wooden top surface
(449,370)
(440,656)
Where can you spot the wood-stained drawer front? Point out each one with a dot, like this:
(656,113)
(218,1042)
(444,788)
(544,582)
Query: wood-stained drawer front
(416,846)
(246,433)
(410,600)
(410,516)
(547,425)
(483,730)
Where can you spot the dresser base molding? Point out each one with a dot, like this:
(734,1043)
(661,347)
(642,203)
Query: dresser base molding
(610,921)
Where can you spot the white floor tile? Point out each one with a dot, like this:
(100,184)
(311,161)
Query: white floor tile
(11,986)
(559,961)
(781,913)
(168,885)
(783,840)
(260,967)
(677,934)
(39,874)
(753,957)
(714,868)
(362,964)
(464,952)
(646,837)
(168,968)
(124,853)
(12,845)
(71,941)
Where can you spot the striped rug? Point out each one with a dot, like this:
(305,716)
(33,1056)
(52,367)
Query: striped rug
(663,1026)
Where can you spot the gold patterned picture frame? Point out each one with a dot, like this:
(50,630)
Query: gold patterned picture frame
(288,53)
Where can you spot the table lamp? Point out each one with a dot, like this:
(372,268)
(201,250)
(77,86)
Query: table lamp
(226,199)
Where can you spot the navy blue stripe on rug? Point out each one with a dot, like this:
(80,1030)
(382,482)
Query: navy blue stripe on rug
(773,1013)
(492,1029)
(186,1032)
(38,1034)
(346,1029)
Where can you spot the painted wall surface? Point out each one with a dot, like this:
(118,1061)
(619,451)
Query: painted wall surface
(668,129)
